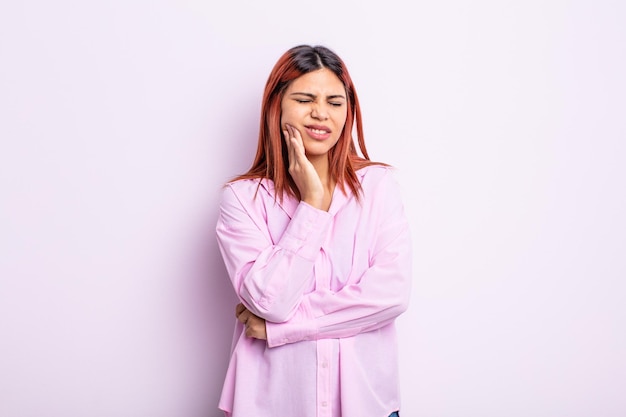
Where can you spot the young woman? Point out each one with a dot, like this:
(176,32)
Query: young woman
(318,249)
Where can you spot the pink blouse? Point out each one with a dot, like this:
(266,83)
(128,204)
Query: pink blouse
(329,285)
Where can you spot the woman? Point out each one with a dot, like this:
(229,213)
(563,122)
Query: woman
(317,246)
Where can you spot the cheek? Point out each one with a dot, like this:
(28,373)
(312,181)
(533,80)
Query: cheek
(286,115)
(342,118)
(340,113)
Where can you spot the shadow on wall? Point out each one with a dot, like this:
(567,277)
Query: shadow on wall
(210,306)
(209,295)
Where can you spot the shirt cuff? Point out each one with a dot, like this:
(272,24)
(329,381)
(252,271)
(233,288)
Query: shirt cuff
(300,327)
(306,231)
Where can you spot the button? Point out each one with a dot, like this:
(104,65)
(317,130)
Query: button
(324,365)
(324,403)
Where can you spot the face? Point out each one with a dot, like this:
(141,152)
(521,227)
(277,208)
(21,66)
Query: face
(316,104)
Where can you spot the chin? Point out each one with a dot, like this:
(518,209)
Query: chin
(316,150)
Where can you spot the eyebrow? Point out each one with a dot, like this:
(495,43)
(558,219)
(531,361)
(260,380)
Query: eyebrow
(313,96)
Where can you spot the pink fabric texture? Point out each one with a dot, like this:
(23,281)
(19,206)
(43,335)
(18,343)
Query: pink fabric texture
(330,285)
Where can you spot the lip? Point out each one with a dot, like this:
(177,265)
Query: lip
(318,132)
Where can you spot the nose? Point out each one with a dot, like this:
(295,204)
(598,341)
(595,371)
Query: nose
(319,113)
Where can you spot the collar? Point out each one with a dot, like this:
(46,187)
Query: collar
(290,204)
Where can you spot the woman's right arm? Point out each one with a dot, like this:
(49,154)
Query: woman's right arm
(269,278)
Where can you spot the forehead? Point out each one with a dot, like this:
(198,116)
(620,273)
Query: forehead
(322,81)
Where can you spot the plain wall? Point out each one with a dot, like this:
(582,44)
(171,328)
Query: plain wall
(120,120)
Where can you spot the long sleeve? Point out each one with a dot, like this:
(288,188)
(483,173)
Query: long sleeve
(329,285)
(270,278)
(374,300)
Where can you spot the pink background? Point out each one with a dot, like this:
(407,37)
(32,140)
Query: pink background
(119,121)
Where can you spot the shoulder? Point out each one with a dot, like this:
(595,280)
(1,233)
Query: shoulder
(244,186)
(255,192)
(380,184)
(373,175)
(240,192)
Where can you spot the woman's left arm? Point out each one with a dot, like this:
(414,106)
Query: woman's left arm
(381,294)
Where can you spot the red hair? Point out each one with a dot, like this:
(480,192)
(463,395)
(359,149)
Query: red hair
(271,160)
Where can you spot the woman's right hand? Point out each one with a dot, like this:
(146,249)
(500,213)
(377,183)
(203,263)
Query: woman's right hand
(255,325)
(302,171)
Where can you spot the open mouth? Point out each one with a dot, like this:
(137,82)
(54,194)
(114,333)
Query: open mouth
(318,132)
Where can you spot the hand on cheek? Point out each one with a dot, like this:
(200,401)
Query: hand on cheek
(301,170)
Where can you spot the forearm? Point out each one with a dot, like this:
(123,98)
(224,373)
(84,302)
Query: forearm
(271,278)
(376,300)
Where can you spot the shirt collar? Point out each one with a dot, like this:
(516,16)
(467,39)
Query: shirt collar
(290,204)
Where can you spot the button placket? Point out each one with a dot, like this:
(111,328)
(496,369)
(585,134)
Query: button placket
(324,346)
(324,349)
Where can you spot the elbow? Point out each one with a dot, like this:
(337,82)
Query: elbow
(275,313)
(402,302)
(270,310)
(398,307)
(277,316)
(277,306)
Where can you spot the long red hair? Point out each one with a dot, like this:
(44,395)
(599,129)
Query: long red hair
(271,160)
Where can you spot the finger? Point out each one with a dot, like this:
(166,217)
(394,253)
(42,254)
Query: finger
(244,316)
(289,144)
(297,142)
(296,134)
(239,308)
(293,133)
(256,328)
(289,132)
(296,147)
(251,328)
(288,137)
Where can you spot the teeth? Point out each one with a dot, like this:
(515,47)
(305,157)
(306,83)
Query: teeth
(319,132)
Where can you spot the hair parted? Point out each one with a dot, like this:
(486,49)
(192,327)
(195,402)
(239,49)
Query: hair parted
(271,160)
